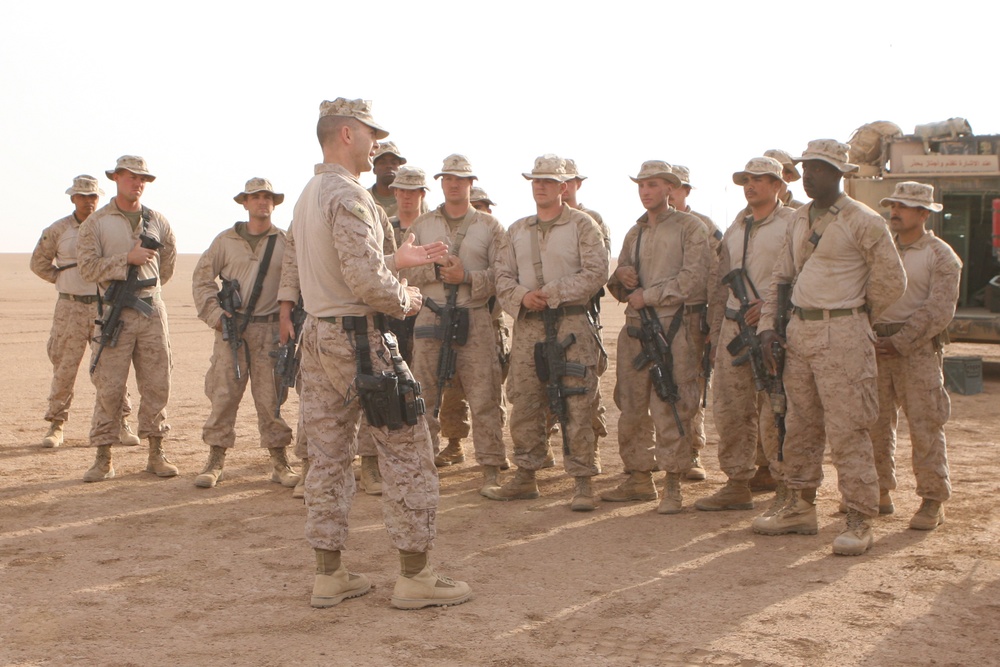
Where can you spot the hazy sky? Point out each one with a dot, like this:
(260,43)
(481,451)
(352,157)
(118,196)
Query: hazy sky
(213,93)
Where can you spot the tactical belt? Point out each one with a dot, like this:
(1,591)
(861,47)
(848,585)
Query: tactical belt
(695,308)
(148,300)
(886,330)
(562,312)
(89,298)
(377,320)
(813,314)
(262,319)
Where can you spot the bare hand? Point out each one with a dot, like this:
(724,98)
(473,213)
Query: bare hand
(452,271)
(885,348)
(627,276)
(767,339)
(409,255)
(712,352)
(286,329)
(753,312)
(416,298)
(218,325)
(535,300)
(138,256)
(636,299)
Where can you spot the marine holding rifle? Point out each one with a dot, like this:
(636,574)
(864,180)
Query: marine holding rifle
(664,261)
(247,259)
(129,250)
(550,266)
(454,341)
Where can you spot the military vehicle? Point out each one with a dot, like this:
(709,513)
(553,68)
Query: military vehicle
(965,171)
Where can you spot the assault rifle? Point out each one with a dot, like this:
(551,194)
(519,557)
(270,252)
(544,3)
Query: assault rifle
(747,338)
(656,354)
(551,367)
(706,356)
(453,331)
(779,404)
(122,294)
(230,301)
(287,359)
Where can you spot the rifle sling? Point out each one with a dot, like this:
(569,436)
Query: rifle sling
(674,323)
(820,227)
(258,284)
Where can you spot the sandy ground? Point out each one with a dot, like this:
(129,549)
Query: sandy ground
(147,571)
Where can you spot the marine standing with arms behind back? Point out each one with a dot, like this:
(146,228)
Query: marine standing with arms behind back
(348,287)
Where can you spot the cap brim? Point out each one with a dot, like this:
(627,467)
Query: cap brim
(544,177)
(453,173)
(842,167)
(667,177)
(111,172)
(71,192)
(277,197)
(935,207)
(408,187)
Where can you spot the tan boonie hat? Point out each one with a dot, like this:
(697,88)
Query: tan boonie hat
(758,166)
(259,185)
(572,171)
(358,109)
(548,167)
(85,184)
(456,165)
(914,195)
(656,169)
(683,173)
(388,148)
(786,161)
(409,178)
(133,163)
(830,151)
(478,194)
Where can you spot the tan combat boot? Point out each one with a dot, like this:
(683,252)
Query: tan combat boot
(300,489)
(54,437)
(762,480)
(158,463)
(638,486)
(780,500)
(212,474)
(126,436)
(281,472)
(428,589)
(522,487)
(929,516)
(333,583)
(857,537)
(696,472)
(550,459)
(671,503)
(371,478)
(102,468)
(583,496)
(491,479)
(735,495)
(797,516)
(453,454)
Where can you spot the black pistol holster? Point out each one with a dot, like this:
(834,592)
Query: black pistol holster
(388,398)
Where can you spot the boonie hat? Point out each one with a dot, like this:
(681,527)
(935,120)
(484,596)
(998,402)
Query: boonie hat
(388,148)
(358,109)
(478,194)
(456,165)
(572,171)
(549,167)
(259,185)
(682,173)
(786,162)
(913,194)
(758,166)
(133,163)
(830,151)
(85,184)
(409,178)
(656,169)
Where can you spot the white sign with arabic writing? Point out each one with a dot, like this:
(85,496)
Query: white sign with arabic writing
(961,164)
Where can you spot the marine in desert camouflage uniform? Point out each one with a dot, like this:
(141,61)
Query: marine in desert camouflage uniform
(789,174)
(348,286)
(238,254)
(843,266)
(54,261)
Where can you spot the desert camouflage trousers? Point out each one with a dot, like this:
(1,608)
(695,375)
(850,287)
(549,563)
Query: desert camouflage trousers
(72,329)
(225,392)
(529,401)
(692,321)
(916,384)
(832,390)
(143,344)
(636,397)
(741,413)
(477,375)
(406,460)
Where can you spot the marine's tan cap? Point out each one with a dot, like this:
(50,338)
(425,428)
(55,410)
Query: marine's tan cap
(830,151)
(358,109)
(478,194)
(572,171)
(786,161)
(257,184)
(549,167)
(456,165)
(409,178)
(133,163)
(683,173)
(914,195)
(388,148)
(758,166)
(656,169)
(85,184)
